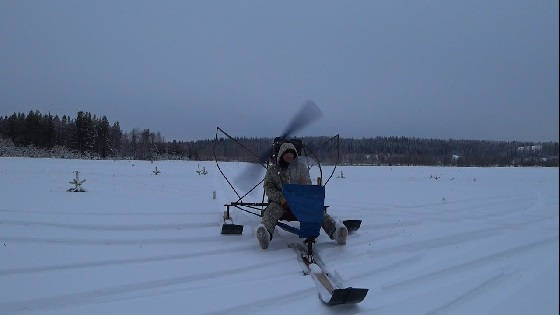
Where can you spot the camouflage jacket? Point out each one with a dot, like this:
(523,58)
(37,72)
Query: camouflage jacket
(276,176)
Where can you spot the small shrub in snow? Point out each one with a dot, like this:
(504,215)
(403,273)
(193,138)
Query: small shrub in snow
(156,171)
(202,171)
(77,184)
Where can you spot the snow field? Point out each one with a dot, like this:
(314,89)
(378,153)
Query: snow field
(474,241)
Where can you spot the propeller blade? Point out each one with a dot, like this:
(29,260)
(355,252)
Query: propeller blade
(247,178)
(308,113)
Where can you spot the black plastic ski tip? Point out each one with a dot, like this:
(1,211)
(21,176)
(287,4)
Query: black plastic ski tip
(347,296)
(352,225)
(232,229)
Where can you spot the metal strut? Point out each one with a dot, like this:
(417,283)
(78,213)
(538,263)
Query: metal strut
(239,196)
(308,258)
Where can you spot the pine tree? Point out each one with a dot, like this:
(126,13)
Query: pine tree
(84,137)
(32,128)
(50,131)
(134,143)
(2,125)
(116,138)
(103,139)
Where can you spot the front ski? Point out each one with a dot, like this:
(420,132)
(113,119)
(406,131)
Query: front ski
(232,229)
(228,227)
(352,225)
(330,291)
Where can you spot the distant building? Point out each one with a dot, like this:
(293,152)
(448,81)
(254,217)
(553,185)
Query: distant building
(530,148)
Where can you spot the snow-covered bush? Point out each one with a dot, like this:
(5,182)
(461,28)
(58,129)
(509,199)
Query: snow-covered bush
(156,171)
(202,171)
(77,183)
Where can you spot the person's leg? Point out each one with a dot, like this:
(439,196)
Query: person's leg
(329,224)
(271,215)
(334,229)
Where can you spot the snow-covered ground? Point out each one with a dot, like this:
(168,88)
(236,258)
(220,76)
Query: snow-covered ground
(474,241)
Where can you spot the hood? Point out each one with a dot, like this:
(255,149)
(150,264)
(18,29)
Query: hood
(283,148)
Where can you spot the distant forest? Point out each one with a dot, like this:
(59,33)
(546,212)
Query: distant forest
(91,136)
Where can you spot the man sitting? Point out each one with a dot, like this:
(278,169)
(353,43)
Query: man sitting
(289,170)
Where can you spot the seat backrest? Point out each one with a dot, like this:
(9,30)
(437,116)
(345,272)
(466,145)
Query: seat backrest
(307,204)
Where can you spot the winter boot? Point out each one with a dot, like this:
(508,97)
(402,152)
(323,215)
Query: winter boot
(340,234)
(263,236)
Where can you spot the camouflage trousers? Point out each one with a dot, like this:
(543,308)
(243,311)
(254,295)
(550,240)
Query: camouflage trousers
(274,212)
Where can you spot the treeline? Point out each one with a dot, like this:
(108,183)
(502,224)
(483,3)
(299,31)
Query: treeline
(396,151)
(91,136)
(86,134)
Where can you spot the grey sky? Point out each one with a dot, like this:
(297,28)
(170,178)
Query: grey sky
(445,69)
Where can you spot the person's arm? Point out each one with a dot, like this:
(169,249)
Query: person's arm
(272,192)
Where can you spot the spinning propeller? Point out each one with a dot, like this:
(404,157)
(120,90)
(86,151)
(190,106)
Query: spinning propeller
(308,113)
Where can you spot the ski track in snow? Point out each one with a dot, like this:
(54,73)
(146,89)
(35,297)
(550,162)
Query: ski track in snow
(100,263)
(138,243)
(470,294)
(100,227)
(92,296)
(114,213)
(469,265)
(105,242)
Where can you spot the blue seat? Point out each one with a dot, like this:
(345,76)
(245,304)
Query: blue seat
(307,203)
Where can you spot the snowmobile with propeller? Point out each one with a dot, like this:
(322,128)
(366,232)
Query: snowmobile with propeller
(306,205)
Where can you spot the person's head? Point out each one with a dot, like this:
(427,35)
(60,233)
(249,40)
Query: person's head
(286,154)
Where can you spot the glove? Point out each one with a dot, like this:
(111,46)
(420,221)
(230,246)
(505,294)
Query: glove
(284,204)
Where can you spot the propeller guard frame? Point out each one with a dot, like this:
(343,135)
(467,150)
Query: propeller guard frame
(257,208)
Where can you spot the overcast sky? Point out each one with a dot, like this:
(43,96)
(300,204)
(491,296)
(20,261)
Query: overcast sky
(443,69)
